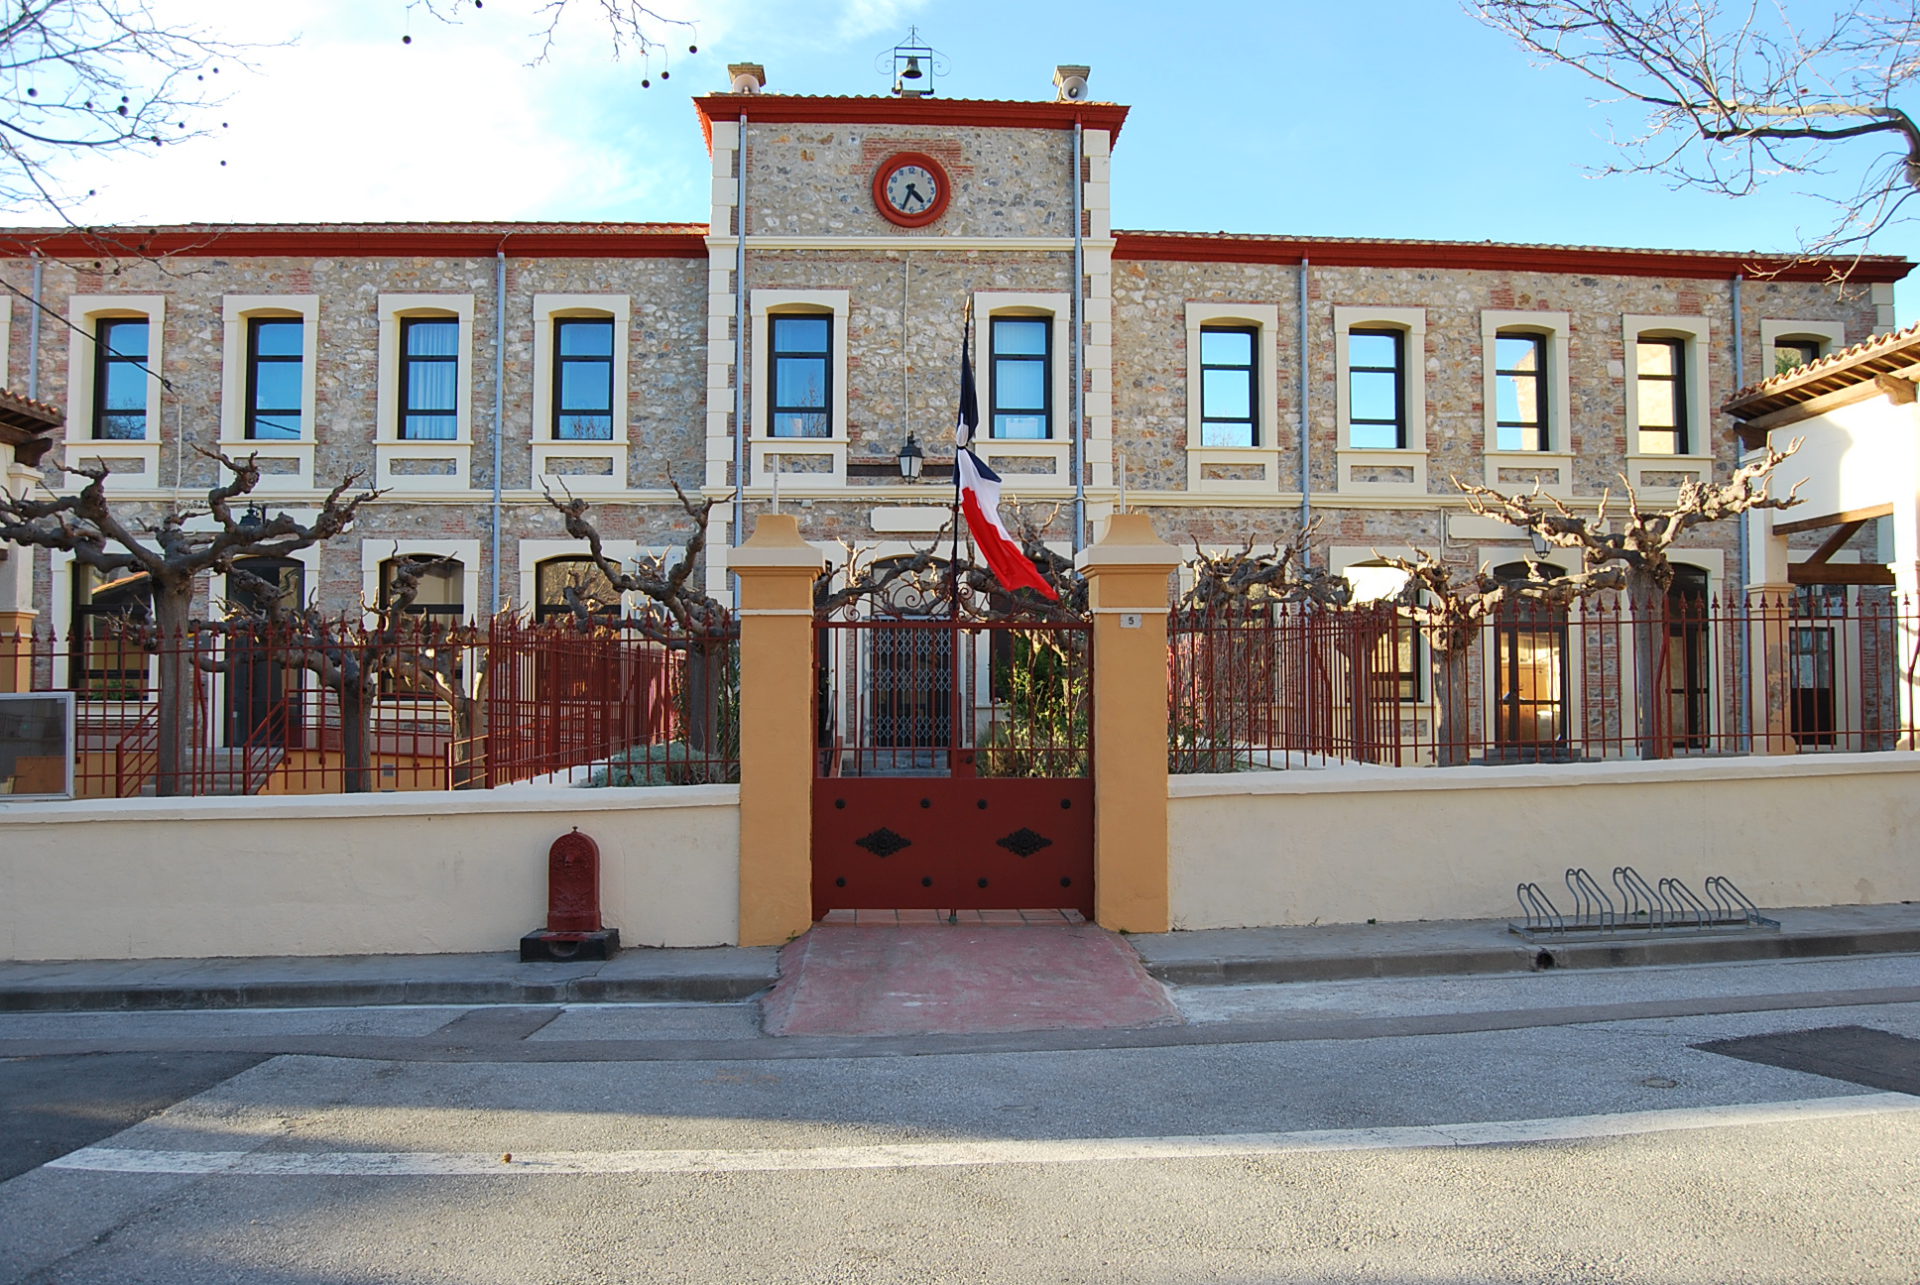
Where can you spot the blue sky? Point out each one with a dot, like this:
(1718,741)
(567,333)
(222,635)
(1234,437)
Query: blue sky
(1397,119)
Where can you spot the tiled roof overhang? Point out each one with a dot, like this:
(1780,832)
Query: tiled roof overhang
(366,241)
(1883,364)
(806,109)
(1490,256)
(27,425)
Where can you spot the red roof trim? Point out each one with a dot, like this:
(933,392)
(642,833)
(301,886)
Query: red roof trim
(799,109)
(1487,256)
(362,243)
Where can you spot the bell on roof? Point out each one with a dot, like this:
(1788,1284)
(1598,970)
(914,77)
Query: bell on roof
(914,66)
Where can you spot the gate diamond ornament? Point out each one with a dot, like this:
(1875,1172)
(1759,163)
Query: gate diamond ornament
(883,842)
(1024,842)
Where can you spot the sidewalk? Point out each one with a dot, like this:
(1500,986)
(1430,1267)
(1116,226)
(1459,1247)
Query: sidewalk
(1234,956)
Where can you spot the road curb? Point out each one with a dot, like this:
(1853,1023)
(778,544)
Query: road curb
(697,989)
(1522,956)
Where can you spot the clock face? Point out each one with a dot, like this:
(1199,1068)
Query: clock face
(911,189)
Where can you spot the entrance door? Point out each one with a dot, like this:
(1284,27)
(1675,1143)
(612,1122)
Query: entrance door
(1530,678)
(263,705)
(955,766)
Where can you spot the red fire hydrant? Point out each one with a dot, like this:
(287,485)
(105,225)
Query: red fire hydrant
(573,930)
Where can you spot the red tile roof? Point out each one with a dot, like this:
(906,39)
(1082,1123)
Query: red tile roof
(1896,352)
(1390,252)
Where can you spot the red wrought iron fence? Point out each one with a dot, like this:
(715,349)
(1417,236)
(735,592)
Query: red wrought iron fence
(422,704)
(1278,686)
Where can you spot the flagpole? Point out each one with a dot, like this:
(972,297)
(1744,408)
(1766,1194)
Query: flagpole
(953,561)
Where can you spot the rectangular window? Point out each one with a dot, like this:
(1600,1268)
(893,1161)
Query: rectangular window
(1791,353)
(1377,389)
(1660,382)
(1022,378)
(1520,392)
(275,348)
(120,380)
(1229,386)
(583,379)
(429,379)
(802,376)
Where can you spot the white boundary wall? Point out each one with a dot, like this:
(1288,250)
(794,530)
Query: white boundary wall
(1348,844)
(412,873)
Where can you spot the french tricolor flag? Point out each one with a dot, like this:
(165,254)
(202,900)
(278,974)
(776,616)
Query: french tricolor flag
(979,488)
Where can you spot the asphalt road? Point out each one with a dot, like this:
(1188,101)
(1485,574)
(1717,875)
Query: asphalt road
(1542,1128)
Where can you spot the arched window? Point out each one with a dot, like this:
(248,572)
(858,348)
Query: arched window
(552,577)
(1530,680)
(441,584)
(105,664)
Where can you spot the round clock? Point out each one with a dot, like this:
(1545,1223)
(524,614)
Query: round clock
(911,189)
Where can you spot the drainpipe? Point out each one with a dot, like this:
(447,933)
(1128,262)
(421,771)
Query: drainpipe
(499,408)
(1744,560)
(1079,355)
(33,329)
(1306,472)
(739,345)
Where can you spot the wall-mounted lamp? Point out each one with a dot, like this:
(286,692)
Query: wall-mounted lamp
(253,519)
(912,460)
(1540,545)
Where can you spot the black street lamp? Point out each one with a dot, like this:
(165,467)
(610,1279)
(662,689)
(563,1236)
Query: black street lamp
(911,460)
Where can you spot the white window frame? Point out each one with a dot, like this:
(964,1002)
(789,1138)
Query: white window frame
(1341,558)
(547,309)
(236,311)
(1553,467)
(84,312)
(375,550)
(765,448)
(1055,451)
(1695,335)
(1264,455)
(622,553)
(389,448)
(1412,322)
(1831,335)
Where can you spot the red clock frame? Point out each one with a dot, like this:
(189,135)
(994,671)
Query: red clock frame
(899,161)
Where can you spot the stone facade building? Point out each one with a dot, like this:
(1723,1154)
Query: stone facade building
(1231,387)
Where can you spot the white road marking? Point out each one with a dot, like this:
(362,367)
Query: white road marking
(374,1164)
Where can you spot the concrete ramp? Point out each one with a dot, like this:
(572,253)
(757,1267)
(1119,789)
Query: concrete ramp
(961,979)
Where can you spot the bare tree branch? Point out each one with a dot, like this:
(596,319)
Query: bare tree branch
(1735,96)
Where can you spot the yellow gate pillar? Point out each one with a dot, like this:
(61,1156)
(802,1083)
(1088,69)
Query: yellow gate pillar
(1127,573)
(777,570)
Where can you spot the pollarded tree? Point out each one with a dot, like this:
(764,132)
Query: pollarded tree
(1451,611)
(1737,96)
(173,554)
(1640,549)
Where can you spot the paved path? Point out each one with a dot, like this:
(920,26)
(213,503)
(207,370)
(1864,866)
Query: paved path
(858,979)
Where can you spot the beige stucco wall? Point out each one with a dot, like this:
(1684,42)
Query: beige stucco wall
(390,874)
(1344,845)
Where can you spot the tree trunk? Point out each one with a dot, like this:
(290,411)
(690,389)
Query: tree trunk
(172,609)
(1452,710)
(356,760)
(1646,604)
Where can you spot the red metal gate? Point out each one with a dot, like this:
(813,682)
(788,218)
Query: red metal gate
(954,766)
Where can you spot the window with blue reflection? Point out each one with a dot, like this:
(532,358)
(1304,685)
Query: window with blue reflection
(802,351)
(120,380)
(1376,389)
(1022,378)
(583,379)
(276,351)
(1228,384)
(1520,392)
